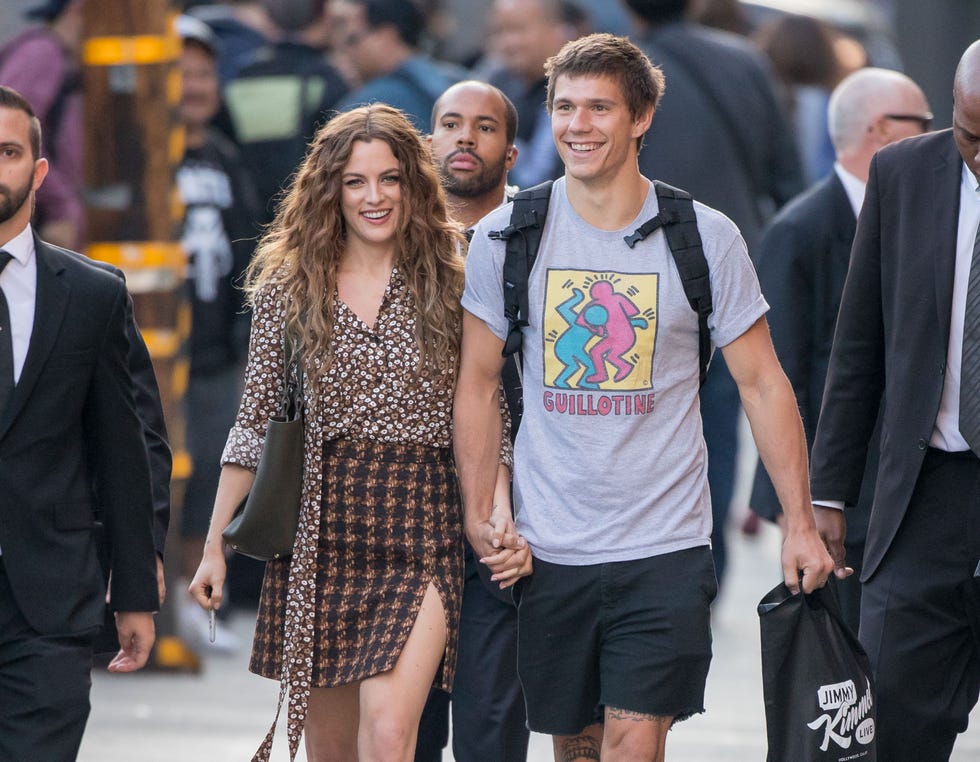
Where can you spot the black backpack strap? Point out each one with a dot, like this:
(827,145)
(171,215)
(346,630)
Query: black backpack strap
(522,237)
(680,225)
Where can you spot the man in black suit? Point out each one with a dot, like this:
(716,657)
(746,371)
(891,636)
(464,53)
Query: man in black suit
(721,136)
(802,262)
(70,440)
(907,334)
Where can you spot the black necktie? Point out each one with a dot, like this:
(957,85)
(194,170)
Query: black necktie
(6,344)
(970,364)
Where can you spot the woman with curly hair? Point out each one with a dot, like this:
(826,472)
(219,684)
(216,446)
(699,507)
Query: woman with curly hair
(362,270)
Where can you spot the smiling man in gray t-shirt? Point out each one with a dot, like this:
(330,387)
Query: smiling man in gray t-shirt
(610,467)
(610,461)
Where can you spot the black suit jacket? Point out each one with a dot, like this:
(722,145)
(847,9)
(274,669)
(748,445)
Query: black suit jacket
(71,442)
(802,262)
(892,332)
(150,408)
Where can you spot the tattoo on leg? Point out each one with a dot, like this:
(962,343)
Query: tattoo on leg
(614,713)
(573,748)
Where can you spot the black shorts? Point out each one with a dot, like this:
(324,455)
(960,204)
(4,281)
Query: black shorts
(633,635)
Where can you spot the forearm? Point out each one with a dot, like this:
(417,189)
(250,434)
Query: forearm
(771,408)
(501,490)
(778,433)
(477,430)
(234,484)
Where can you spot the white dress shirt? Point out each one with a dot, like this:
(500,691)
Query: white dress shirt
(854,187)
(946,435)
(19,283)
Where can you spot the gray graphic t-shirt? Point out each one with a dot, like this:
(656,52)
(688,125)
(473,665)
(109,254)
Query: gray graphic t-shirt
(610,461)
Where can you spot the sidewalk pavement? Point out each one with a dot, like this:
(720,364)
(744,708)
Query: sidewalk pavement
(222,714)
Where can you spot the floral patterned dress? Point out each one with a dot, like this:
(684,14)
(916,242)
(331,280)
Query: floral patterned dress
(380,517)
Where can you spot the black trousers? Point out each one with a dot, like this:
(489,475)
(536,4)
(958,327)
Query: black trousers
(44,687)
(720,405)
(919,615)
(489,721)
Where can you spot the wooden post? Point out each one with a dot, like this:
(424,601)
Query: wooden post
(133,144)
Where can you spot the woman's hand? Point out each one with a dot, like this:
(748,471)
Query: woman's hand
(207,587)
(509,565)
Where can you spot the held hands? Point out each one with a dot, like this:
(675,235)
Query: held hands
(499,546)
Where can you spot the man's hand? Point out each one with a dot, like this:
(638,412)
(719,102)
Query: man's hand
(832,527)
(136,636)
(804,552)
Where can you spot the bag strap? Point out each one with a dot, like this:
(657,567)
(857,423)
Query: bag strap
(680,225)
(523,238)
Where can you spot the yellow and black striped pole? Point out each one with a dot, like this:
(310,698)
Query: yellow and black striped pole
(133,144)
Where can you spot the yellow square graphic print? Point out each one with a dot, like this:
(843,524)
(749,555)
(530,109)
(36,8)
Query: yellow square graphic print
(600,330)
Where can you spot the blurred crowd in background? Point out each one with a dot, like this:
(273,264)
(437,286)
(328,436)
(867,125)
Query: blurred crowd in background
(259,76)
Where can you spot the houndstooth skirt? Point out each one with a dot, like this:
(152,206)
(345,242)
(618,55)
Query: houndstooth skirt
(390,523)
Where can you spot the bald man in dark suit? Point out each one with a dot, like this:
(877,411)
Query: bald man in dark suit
(907,338)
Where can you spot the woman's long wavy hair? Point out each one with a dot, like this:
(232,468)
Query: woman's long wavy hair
(303,246)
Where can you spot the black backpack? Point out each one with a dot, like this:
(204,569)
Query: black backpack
(523,238)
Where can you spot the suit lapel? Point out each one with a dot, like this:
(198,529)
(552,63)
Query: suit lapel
(945,185)
(50,303)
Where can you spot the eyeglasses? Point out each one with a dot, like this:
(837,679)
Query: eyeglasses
(924,120)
